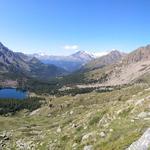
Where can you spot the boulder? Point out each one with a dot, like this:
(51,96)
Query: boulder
(58,130)
(143,143)
(88,147)
(87,136)
(144,115)
(102,134)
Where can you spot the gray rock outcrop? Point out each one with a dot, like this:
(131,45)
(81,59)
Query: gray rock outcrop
(143,143)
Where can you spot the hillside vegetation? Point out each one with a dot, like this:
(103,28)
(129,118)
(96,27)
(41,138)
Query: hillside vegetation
(99,121)
(11,106)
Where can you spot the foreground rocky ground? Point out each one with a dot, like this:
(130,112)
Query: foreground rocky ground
(114,120)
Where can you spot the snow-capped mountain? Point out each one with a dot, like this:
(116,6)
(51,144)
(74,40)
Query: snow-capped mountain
(70,63)
(83,56)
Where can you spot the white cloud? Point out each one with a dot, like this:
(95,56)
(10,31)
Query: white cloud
(71,47)
(99,54)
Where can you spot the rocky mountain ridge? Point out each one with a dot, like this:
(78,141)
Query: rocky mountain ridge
(126,71)
(18,64)
(111,58)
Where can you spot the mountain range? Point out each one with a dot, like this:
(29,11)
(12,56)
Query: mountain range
(104,104)
(100,62)
(15,65)
(70,63)
(124,69)
(114,68)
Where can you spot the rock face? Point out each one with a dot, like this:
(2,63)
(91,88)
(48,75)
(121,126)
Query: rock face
(143,143)
(140,54)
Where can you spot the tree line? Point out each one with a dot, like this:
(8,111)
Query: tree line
(14,105)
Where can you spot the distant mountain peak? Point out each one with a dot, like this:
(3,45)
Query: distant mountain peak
(82,54)
(104,53)
(70,63)
(35,60)
(115,51)
(108,59)
(1,45)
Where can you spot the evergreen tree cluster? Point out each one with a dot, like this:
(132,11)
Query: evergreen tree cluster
(14,105)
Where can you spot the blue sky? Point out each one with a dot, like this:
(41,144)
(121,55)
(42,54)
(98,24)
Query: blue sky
(61,27)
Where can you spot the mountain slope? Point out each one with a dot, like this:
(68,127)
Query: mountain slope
(128,70)
(98,120)
(82,56)
(15,65)
(90,72)
(110,58)
(69,63)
